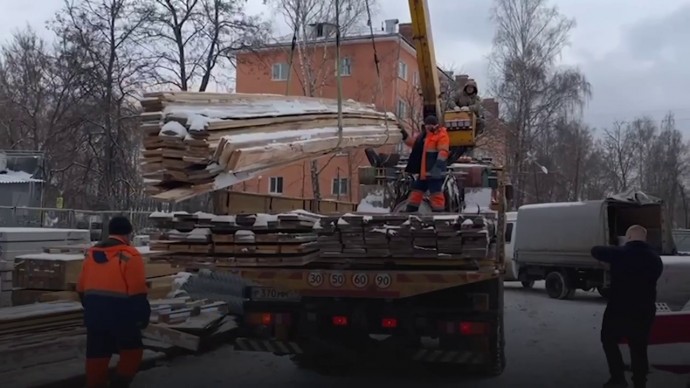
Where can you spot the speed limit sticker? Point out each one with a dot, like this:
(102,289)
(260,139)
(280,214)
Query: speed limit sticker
(315,279)
(337,279)
(360,280)
(383,280)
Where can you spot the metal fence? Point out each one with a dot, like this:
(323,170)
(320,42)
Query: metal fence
(69,218)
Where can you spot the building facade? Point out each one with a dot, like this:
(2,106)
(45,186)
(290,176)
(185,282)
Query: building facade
(393,88)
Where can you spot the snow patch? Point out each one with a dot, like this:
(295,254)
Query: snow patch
(372,203)
(478,200)
(173,129)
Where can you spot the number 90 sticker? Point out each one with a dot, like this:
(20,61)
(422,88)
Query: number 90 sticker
(383,280)
(315,279)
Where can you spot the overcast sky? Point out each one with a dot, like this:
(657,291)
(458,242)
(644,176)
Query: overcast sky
(634,52)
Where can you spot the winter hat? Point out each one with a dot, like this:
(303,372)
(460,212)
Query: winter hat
(119,226)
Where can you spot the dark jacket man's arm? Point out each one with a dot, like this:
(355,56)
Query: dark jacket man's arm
(607,254)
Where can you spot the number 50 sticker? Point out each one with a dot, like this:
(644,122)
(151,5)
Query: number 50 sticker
(383,280)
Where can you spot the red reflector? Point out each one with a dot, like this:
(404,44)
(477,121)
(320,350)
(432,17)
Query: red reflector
(389,323)
(266,319)
(339,320)
(473,328)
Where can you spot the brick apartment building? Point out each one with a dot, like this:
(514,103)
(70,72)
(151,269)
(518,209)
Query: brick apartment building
(313,72)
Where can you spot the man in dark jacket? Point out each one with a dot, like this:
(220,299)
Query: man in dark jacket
(113,288)
(635,269)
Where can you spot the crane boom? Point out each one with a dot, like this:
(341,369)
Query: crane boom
(426,58)
(461,125)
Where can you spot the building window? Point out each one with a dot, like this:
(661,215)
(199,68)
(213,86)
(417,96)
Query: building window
(415,79)
(402,70)
(280,72)
(339,186)
(275,185)
(401,110)
(345,66)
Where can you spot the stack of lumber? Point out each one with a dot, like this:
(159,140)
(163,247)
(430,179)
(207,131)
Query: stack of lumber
(187,324)
(40,333)
(203,240)
(196,143)
(52,274)
(46,333)
(453,237)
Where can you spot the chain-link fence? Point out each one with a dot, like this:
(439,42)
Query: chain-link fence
(70,218)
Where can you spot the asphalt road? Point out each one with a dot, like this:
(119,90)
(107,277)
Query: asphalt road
(550,343)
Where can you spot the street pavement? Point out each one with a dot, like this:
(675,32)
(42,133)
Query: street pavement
(549,343)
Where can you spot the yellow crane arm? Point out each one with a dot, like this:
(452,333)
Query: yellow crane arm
(426,58)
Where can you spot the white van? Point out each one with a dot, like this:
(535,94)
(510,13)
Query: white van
(511,274)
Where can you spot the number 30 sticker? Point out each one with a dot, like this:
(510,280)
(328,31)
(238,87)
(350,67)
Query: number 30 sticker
(315,279)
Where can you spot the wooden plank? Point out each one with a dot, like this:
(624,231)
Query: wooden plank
(175,337)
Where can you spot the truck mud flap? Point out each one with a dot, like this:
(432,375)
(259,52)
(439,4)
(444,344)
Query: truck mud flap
(449,357)
(268,346)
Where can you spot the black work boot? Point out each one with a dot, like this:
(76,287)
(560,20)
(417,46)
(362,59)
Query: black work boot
(120,382)
(616,382)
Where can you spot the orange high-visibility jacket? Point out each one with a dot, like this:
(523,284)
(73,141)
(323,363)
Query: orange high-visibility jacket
(113,285)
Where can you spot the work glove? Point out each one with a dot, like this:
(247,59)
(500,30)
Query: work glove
(438,169)
(404,134)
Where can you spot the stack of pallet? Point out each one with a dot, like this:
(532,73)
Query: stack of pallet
(201,240)
(196,143)
(452,237)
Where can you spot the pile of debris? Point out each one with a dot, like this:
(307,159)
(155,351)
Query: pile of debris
(196,143)
(200,240)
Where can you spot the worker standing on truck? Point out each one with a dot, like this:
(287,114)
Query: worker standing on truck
(469,99)
(635,269)
(430,151)
(112,287)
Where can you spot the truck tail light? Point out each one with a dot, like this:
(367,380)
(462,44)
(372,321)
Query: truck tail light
(389,323)
(268,319)
(339,320)
(473,328)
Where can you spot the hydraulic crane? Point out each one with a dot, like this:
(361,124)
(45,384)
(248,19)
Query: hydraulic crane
(461,125)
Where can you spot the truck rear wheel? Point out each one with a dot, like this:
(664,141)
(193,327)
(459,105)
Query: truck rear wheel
(498,364)
(558,285)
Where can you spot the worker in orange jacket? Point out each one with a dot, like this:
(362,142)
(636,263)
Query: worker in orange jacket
(112,287)
(430,151)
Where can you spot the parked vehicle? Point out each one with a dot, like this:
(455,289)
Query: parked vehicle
(554,240)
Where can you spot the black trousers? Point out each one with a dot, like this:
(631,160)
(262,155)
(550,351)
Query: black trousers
(635,327)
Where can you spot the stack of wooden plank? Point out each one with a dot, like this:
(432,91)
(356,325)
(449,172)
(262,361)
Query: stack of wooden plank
(201,240)
(187,324)
(39,333)
(196,143)
(453,237)
(48,333)
(52,274)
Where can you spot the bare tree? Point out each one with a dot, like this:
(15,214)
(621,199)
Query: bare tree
(107,35)
(192,39)
(534,93)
